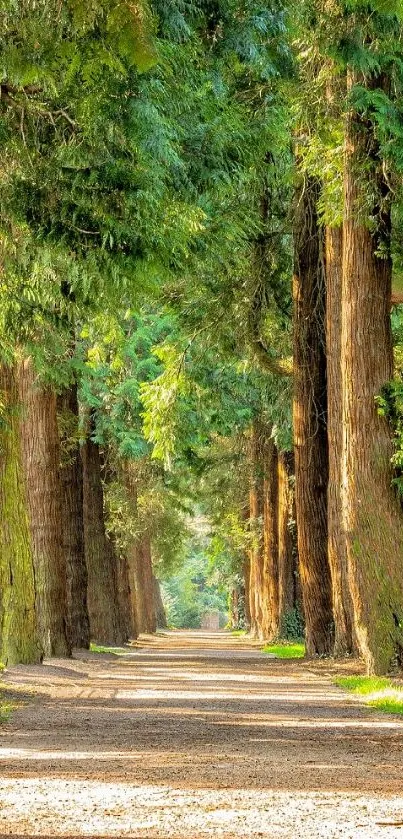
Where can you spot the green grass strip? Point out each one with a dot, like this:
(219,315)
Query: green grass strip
(285,650)
(380,693)
(6,706)
(98,648)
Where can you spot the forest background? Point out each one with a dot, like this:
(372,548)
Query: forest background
(201,287)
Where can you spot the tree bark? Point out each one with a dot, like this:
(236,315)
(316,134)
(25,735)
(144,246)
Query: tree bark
(372,517)
(246,577)
(270,593)
(19,639)
(126,609)
(41,458)
(287,569)
(309,415)
(71,474)
(146,617)
(344,634)
(103,599)
(159,610)
(256,549)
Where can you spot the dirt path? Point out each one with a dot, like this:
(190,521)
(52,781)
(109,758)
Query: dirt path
(196,735)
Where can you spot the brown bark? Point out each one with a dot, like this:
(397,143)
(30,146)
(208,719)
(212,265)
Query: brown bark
(309,414)
(103,598)
(256,549)
(234,608)
(73,520)
(270,589)
(41,459)
(19,640)
(125,597)
(344,636)
(246,577)
(372,517)
(287,569)
(159,610)
(146,617)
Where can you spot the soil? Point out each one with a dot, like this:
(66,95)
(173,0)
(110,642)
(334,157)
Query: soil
(195,734)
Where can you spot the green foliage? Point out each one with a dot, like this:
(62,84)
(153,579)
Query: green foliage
(193,590)
(292,625)
(390,405)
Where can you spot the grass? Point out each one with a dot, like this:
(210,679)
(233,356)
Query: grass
(6,707)
(98,648)
(381,693)
(285,650)
(238,632)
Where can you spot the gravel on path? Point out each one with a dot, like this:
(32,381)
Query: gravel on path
(195,734)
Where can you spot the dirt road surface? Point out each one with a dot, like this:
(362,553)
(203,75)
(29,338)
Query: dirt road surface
(195,735)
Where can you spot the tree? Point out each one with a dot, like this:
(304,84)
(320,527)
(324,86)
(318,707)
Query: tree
(71,474)
(19,639)
(310,424)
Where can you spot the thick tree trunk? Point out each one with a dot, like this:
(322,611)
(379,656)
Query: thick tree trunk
(372,517)
(103,598)
(286,550)
(344,635)
(270,594)
(159,610)
(256,550)
(19,639)
(41,458)
(310,431)
(73,520)
(246,577)
(146,617)
(126,609)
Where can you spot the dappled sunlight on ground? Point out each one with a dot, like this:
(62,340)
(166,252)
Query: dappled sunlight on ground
(191,735)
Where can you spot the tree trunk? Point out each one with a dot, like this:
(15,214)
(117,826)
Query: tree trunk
(309,414)
(344,636)
(270,594)
(286,552)
(256,549)
(372,517)
(41,458)
(19,639)
(146,617)
(103,599)
(71,474)
(246,577)
(159,610)
(126,609)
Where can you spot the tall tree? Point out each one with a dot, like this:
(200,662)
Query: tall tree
(344,639)
(19,639)
(103,601)
(310,424)
(371,513)
(41,459)
(71,474)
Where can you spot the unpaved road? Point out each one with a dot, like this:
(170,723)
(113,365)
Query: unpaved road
(196,735)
